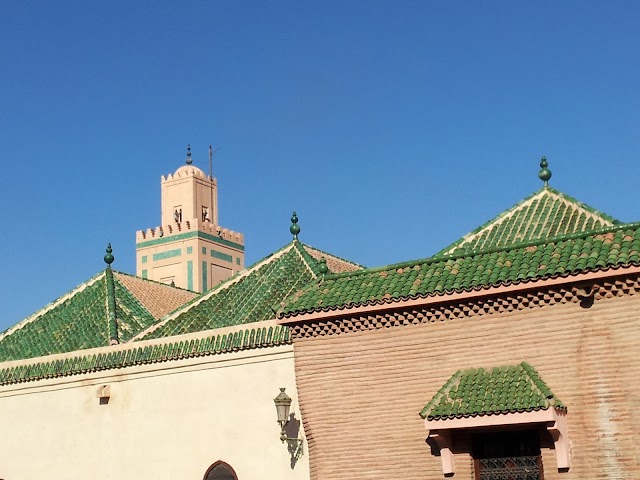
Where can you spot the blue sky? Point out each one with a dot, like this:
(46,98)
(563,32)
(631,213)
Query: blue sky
(393,127)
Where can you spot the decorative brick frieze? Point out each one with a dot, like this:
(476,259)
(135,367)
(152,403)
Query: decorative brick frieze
(467,309)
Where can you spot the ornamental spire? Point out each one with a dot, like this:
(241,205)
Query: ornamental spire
(189,161)
(544,174)
(322,267)
(109,258)
(294,228)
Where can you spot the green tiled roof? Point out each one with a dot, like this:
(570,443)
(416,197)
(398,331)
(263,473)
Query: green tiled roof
(113,307)
(545,214)
(76,321)
(248,296)
(510,389)
(562,256)
(117,357)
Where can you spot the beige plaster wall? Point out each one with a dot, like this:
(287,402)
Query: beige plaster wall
(361,391)
(163,421)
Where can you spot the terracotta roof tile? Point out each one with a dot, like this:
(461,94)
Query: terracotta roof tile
(335,264)
(159,299)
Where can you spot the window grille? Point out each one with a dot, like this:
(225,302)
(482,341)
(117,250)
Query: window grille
(509,468)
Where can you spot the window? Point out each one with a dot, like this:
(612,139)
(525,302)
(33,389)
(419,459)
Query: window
(220,471)
(506,410)
(506,455)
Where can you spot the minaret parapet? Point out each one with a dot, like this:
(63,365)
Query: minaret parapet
(193,225)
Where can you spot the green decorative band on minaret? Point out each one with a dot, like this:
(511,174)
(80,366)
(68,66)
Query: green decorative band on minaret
(111,298)
(190,275)
(545,173)
(187,235)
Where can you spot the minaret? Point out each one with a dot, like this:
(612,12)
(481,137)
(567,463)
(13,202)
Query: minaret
(190,249)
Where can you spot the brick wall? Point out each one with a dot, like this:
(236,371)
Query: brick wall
(349,383)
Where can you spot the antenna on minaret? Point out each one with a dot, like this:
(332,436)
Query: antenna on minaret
(211,180)
(210,162)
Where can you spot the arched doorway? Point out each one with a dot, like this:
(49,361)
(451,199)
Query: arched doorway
(220,471)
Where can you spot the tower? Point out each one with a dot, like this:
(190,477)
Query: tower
(190,248)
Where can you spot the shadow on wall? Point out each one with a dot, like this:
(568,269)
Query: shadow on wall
(294,442)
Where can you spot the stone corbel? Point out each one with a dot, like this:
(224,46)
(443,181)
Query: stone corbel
(559,434)
(442,438)
(554,420)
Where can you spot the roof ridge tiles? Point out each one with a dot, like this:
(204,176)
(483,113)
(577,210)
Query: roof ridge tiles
(308,260)
(584,205)
(112,319)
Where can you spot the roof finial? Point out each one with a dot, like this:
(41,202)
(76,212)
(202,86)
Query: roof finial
(294,228)
(544,174)
(108,258)
(189,161)
(323,268)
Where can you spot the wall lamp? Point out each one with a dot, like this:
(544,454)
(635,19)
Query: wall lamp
(288,425)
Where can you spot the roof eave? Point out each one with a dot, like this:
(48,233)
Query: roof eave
(436,298)
(539,415)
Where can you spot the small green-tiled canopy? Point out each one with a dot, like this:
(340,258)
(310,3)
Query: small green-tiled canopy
(562,256)
(545,214)
(510,389)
